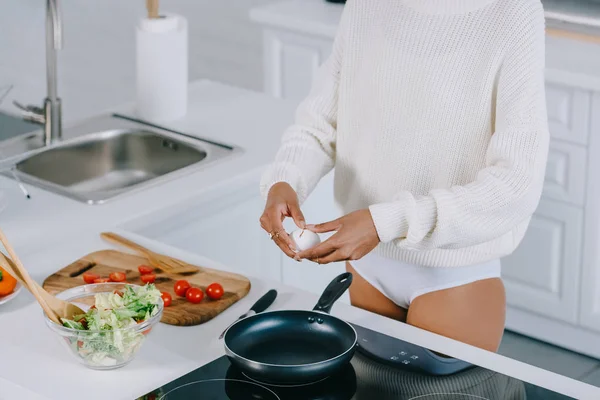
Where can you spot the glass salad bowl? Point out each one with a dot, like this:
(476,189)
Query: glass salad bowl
(111,335)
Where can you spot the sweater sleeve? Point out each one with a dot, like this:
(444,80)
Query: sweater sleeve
(507,190)
(307,149)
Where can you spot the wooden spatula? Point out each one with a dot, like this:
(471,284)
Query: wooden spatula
(54,307)
(164,263)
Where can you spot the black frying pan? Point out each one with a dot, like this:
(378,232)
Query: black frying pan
(295,346)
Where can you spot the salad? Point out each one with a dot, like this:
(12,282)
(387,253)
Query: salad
(106,332)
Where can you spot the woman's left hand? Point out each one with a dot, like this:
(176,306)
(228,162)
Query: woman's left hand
(355,237)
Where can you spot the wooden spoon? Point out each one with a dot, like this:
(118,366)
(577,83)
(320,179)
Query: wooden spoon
(164,263)
(54,307)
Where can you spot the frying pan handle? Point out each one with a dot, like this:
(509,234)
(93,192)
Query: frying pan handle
(333,291)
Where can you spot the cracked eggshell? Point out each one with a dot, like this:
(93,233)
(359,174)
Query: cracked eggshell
(306,240)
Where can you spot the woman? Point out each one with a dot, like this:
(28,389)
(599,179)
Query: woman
(432,113)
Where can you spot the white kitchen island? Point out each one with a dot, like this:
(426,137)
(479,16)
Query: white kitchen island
(50,232)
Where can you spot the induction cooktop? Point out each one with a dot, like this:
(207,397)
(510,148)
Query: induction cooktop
(383,368)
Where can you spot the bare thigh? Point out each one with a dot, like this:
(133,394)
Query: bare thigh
(366,296)
(473,313)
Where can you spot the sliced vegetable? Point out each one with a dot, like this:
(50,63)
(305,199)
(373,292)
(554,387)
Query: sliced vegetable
(89,277)
(194,295)
(167,299)
(148,278)
(7,283)
(117,277)
(181,287)
(101,280)
(214,291)
(144,269)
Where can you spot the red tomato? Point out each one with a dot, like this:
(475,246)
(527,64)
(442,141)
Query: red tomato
(214,291)
(194,295)
(144,269)
(181,287)
(167,299)
(117,277)
(147,331)
(89,277)
(101,280)
(148,278)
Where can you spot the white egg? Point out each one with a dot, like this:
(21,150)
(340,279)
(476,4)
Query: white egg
(305,239)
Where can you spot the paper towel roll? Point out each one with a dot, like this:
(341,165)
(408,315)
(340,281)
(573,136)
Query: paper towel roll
(162,68)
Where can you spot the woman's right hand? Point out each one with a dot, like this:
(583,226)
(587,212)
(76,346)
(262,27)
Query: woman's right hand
(282,201)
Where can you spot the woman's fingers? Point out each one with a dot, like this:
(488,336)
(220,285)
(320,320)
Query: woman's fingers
(297,216)
(319,251)
(326,226)
(335,256)
(274,226)
(283,241)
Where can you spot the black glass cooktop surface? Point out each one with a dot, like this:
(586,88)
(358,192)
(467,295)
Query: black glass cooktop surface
(383,368)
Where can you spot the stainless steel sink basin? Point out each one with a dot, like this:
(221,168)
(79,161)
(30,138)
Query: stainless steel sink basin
(115,157)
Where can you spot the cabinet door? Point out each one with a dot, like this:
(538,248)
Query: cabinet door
(568,112)
(542,275)
(306,275)
(290,62)
(590,283)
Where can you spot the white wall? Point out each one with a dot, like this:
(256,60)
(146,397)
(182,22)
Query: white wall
(97,64)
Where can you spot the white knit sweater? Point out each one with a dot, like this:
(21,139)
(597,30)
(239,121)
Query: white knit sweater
(433,114)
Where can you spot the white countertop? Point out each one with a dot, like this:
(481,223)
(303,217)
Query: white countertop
(567,61)
(49,232)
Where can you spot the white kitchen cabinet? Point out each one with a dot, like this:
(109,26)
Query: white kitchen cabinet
(291,61)
(553,278)
(590,283)
(542,275)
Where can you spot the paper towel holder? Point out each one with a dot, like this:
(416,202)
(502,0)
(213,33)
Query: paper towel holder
(152,8)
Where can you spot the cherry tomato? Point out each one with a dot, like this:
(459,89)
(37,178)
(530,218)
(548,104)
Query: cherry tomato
(147,331)
(89,277)
(148,278)
(181,287)
(101,280)
(167,299)
(117,277)
(194,295)
(214,291)
(144,269)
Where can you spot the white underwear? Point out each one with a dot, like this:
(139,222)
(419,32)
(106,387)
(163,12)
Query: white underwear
(402,283)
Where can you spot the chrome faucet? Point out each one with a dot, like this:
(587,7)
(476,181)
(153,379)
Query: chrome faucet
(50,114)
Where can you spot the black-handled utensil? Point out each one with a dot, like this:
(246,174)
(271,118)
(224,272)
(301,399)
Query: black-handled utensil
(261,305)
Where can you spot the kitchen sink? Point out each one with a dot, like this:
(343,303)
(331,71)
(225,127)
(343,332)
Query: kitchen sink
(108,157)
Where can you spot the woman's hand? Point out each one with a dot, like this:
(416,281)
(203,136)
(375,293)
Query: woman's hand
(355,237)
(282,202)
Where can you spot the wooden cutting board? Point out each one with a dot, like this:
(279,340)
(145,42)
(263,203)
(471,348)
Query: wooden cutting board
(180,312)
